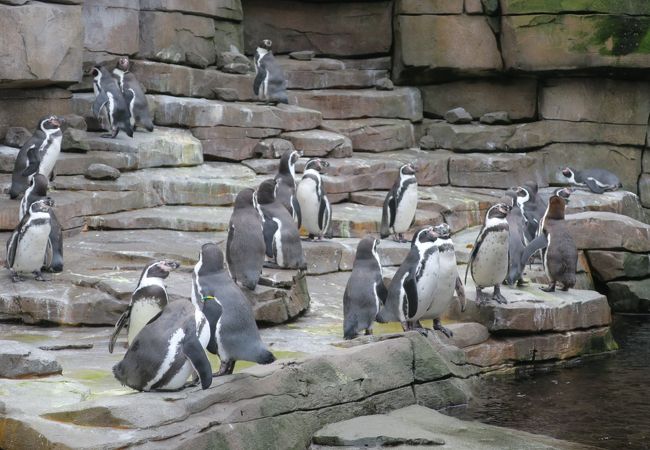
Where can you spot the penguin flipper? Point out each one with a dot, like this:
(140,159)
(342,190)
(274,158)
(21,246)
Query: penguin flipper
(123,320)
(12,243)
(297,213)
(533,246)
(100,101)
(381,291)
(259,78)
(323,215)
(193,351)
(269,230)
(411,291)
(594,186)
(33,161)
(472,255)
(387,215)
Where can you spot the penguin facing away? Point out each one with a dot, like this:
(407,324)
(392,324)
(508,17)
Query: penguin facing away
(233,332)
(37,190)
(411,289)
(38,155)
(28,244)
(138,105)
(281,236)
(365,291)
(109,98)
(400,204)
(147,300)
(516,241)
(596,180)
(167,350)
(315,208)
(532,207)
(488,260)
(270,84)
(245,246)
(286,178)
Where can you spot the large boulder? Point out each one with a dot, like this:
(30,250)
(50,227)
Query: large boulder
(42,43)
(630,296)
(606,230)
(374,135)
(232,143)
(222,9)
(644,189)
(631,7)
(320,143)
(611,265)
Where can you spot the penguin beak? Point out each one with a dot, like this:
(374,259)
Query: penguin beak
(170,265)
(56,121)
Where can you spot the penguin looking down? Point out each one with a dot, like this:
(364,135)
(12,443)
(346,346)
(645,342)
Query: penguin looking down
(270,84)
(38,155)
(365,291)
(488,260)
(27,246)
(147,300)
(245,246)
(400,204)
(596,180)
(233,332)
(137,104)
(315,208)
(286,179)
(110,99)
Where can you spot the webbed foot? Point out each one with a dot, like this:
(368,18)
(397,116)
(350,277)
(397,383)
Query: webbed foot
(549,288)
(438,326)
(497,296)
(226,368)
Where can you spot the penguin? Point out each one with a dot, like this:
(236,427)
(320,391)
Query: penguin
(560,257)
(138,105)
(516,241)
(400,204)
(270,84)
(281,235)
(109,97)
(245,246)
(532,207)
(233,332)
(28,244)
(365,291)
(37,190)
(168,349)
(488,260)
(410,292)
(597,180)
(286,178)
(315,208)
(447,281)
(147,300)
(38,155)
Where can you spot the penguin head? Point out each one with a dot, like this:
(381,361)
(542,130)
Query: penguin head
(556,206)
(443,231)
(39,185)
(522,194)
(266,44)
(564,192)
(123,63)
(498,211)
(407,169)
(424,235)
(159,269)
(266,191)
(96,72)
(211,258)
(367,248)
(50,124)
(245,199)
(42,205)
(568,172)
(316,164)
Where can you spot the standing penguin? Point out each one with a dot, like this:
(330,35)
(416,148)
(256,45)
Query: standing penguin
(233,332)
(488,260)
(516,241)
(245,246)
(281,235)
(315,209)
(28,244)
(400,204)
(148,299)
(410,292)
(168,350)
(532,207)
(447,280)
(38,155)
(109,97)
(597,180)
(286,178)
(270,84)
(138,105)
(37,190)
(365,291)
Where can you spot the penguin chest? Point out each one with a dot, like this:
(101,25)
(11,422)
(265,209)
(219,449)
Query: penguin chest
(309,205)
(406,207)
(426,280)
(490,265)
(142,311)
(445,286)
(31,247)
(49,156)
(277,243)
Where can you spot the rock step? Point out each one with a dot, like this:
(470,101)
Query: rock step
(375,134)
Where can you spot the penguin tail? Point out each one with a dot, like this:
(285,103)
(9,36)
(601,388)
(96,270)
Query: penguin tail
(266,357)
(350,329)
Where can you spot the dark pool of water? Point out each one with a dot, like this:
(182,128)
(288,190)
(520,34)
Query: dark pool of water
(602,401)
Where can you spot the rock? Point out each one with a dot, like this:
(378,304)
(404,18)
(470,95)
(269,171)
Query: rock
(53,55)
(231,143)
(75,122)
(518,97)
(352,220)
(326,73)
(458,115)
(221,9)
(374,135)
(236,68)
(401,103)
(102,172)
(110,28)
(384,84)
(419,56)
(234,57)
(304,55)
(512,7)
(320,143)
(497,170)
(629,296)
(272,148)
(17,136)
(322,256)
(473,7)
(417,7)
(273,305)
(339,29)
(25,107)
(467,333)
(606,230)
(644,190)
(177,38)
(537,43)
(495,118)
(18,360)
(610,265)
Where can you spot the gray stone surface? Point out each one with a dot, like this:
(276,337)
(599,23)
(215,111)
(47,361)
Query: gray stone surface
(17,136)
(610,265)
(496,170)
(232,143)
(606,230)
(110,28)
(327,73)
(629,296)
(222,9)
(374,135)
(458,116)
(495,118)
(102,172)
(18,360)
(303,55)
(320,143)
(25,107)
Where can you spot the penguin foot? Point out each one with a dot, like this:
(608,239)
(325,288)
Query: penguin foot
(481,297)
(438,326)
(565,288)
(521,282)
(368,332)
(107,135)
(38,276)
(15,277)
(271,265)
(226,368)
(406,326)
(423,331)
(549,288)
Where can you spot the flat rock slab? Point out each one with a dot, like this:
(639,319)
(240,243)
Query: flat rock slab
(320,143)
(374,135)
(232,143)
(495,170)
(612,265)
(327,73)
(605,230)
(19,360)
(420,427)
(400,103)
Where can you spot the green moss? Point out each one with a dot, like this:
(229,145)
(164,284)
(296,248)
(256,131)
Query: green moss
(568,6)
(26,338)
(622,35)
(241,365)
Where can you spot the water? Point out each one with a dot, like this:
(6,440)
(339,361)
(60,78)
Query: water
(602,401)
